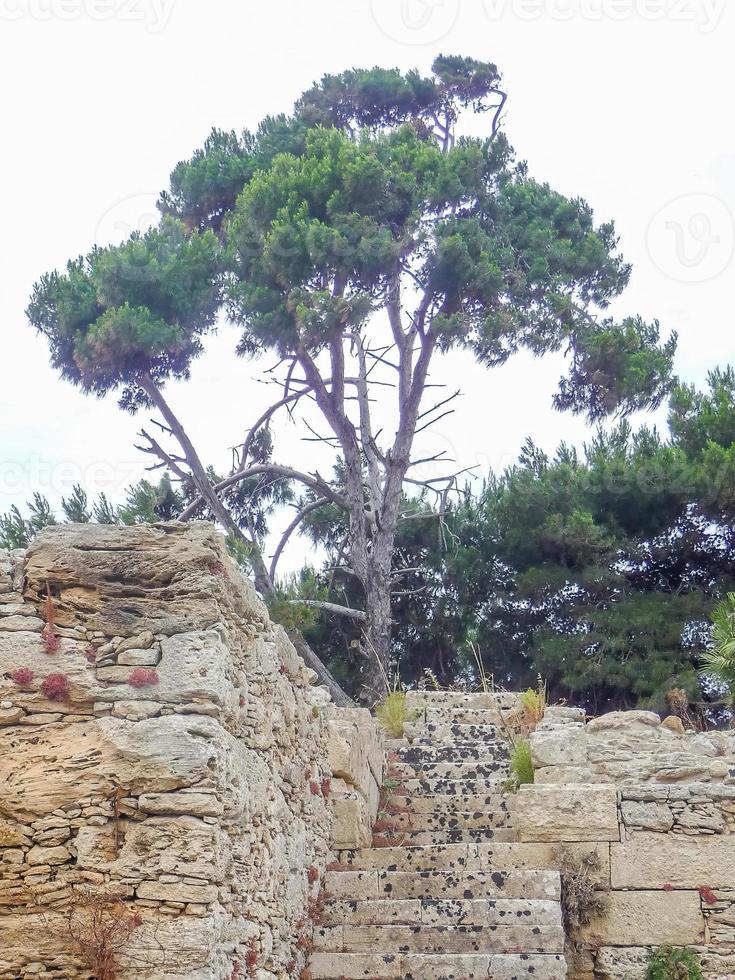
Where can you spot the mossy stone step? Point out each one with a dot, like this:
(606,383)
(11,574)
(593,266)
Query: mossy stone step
(487,788)
(469,835)
(448,803)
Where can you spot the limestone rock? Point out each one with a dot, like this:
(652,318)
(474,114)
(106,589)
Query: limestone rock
(566,813)
(563,746)
(181,802)
(48,855)
(352,826)
(202,798)
(674,724)
(647,816)
(623,720)
(649,860)
(564,774)
(649,918)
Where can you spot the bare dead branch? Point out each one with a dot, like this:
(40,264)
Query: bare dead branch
(431,422)
(440,404)
(301,514)
(265,418)
(331,607)
(315,483)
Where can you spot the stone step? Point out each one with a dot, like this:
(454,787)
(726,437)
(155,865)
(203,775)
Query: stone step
(459,858)
(465,772)
(431,838)
(505,700)
(462,716)
(438,821)
(448,803)
(437,912)
(441,857)
(458,753)
(427,966)
(453,787)
(460,884)
(441,939)
(440,732)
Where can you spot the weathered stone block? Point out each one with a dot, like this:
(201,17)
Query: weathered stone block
(623,721)
(182,802)
(542,857)
(562,746)
(649,816)
(352,827)
(649,918)
(648,860)
(566,813)
(563,774)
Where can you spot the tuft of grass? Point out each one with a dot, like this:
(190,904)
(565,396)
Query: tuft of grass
(393,714)
(530,711)
(520,762)
(534,704)
(668,963)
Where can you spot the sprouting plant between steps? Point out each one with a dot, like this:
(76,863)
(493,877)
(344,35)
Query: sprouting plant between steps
(521,764)
(393,714)
(526,717)
(668,963)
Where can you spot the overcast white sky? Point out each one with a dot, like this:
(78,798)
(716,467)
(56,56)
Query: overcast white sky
(627,103)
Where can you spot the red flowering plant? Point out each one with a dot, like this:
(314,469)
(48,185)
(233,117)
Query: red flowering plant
(143,677)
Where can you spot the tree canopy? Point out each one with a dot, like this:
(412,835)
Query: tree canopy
(358,239)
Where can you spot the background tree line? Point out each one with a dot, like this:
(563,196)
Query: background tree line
(598,570)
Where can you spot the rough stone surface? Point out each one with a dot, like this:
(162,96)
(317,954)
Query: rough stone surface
(198,788)
(629,747)
(649,918)
(648,860)
(566,813)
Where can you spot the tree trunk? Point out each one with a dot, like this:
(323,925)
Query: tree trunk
(377,669)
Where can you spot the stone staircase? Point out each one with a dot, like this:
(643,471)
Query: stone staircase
(444,893)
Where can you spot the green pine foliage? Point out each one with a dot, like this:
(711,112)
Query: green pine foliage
(598,569)
(718,662)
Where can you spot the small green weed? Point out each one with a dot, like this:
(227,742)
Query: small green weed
(668,963)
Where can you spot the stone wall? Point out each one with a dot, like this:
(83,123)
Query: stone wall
(657,806)
(182,759)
